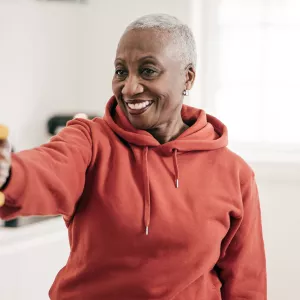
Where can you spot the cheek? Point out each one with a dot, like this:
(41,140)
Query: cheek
(171,87)
(115,87)
(171,95)
(172,101)
(162,89)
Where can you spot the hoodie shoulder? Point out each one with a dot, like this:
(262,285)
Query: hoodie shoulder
(234,163)
(97,122)
(99,125)
(96,129)
(101,133)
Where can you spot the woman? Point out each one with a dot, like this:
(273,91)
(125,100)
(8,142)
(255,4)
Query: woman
(156,206)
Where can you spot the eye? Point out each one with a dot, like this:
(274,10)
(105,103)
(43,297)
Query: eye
(121,73)
(148,72)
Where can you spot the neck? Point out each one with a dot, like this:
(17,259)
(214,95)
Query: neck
(168,131)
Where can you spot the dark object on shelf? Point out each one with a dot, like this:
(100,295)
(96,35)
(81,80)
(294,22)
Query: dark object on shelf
(58,121)
(11,223)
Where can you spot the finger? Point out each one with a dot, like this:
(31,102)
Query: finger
(4,172)
(5,150)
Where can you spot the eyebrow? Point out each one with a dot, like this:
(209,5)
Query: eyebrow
(119,60)
(148,57)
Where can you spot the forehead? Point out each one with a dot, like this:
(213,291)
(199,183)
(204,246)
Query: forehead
(145,42)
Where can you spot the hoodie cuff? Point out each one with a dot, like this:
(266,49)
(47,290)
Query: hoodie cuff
(14,187)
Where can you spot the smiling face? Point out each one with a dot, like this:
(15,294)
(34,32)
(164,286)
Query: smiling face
(149,79)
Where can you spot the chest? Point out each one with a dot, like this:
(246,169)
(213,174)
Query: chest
(198,210)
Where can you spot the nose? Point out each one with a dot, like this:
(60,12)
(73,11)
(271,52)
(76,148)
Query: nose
(132,87)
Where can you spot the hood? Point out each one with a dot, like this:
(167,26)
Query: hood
(205,133)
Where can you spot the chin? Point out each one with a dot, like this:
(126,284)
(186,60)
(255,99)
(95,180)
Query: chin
(139,124)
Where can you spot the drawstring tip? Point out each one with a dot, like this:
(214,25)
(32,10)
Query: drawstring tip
(177,183)
(147,230)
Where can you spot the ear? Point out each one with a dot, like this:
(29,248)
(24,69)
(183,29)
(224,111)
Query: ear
(190,74)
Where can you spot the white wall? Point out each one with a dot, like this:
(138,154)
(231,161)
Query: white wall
(279,187)
(40,55)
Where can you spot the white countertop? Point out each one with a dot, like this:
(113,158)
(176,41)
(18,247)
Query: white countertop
(46,231)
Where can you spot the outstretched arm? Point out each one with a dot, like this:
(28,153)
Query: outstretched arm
(49,180)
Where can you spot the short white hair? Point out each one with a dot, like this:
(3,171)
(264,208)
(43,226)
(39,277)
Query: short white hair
(182,36)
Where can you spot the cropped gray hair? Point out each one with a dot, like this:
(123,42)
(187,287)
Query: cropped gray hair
(181,34)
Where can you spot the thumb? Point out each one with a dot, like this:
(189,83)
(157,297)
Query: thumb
(81,115)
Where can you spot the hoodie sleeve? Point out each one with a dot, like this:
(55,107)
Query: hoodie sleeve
(242,264)
(49,180)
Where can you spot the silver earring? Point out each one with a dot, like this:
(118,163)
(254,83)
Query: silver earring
(185,92)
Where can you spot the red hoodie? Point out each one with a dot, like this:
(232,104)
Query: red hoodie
(146,221)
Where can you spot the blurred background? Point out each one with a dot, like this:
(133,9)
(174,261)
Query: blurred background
(56,59)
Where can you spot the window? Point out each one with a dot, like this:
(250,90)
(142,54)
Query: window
(250,71)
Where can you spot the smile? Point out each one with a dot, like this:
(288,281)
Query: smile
(138,107)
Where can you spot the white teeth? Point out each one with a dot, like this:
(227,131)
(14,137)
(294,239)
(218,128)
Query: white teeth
(140,105)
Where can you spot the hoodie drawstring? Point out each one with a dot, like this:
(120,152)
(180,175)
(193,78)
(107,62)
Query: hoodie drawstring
(176,168)
(146,192)
(147,198)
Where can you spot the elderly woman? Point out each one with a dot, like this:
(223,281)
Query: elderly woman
(156,205)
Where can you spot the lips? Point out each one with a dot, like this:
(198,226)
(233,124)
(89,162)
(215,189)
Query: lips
(138,107)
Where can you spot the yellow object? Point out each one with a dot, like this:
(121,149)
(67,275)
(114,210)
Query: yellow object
(3,132)
(2,199)
(3,136)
